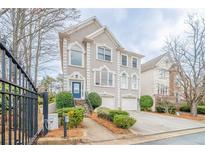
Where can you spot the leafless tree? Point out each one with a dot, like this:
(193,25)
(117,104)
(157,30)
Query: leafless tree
(33,35)
(188,52)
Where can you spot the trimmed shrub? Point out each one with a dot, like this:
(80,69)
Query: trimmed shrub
(113,113)
(95,99)
(124,121)
(201,109)
(165,107)
(64,99)
(76,115)
(184,107)
(146,102)
(103,112)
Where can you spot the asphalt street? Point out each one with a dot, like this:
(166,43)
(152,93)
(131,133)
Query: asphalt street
(191,139)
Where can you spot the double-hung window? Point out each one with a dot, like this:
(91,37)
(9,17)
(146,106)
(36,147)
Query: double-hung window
(162,73)
(134,82)
(103,53)
(134,62)
(76,56)
(124,59)
(124,81)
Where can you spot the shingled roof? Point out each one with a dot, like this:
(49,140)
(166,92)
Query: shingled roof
(152,63)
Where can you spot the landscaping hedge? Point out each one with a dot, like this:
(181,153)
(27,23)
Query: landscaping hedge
(201,109)
(113,113)
(76,115)
(95,99)
(184,108)
(103,112)
(64,99)
(165,107)
(146,102)
(187,108)
(123,121)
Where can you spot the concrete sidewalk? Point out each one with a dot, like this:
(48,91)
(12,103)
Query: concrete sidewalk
(148,138)
(96,132)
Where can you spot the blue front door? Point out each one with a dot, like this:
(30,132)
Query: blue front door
(76,89)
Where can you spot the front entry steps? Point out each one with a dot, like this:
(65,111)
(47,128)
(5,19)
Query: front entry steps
(82,103)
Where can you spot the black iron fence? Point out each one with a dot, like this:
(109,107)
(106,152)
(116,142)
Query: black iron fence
(18,102)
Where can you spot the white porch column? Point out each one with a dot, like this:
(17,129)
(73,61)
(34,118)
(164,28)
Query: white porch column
(139,84)
(118,80)
(65,62)
(88,71)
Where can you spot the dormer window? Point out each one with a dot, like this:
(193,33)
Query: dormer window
(104,53)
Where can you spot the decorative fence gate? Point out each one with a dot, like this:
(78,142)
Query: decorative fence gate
(18,102)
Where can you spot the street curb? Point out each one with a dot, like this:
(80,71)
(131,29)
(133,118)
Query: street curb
(148,138)
(61,140)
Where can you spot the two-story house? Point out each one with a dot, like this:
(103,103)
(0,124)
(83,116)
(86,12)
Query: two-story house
(160,79)
(93,60)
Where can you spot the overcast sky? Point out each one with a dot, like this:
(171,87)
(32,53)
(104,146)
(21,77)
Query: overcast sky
(140,30)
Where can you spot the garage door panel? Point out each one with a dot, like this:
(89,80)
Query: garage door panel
(108,102)
(129,104)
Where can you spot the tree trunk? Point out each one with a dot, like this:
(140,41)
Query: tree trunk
(194,109)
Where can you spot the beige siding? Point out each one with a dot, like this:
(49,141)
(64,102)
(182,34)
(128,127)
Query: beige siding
(147,83)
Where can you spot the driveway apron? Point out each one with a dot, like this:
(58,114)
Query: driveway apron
(151,123)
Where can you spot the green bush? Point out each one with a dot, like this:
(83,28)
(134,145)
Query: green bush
(103,112)
(124,121)
(201,109)
(63,111)
(146,102)
(76,115)
(51,98)
(187,108)
(184,107)
(95,99)
(165,107)
(113,113)
(64,99)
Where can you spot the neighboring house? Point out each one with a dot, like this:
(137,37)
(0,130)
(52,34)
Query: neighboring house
(94,61)
(160,79)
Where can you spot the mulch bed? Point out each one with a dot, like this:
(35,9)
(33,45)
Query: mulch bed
(185,115)
(108,124)
(72,133)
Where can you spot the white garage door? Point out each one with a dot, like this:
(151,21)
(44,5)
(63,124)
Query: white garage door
(129,104)
(108,102)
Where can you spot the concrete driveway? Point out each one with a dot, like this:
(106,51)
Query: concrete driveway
(151,123)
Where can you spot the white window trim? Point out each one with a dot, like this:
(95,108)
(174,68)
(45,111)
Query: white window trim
(127,84)
(121,60)
(137,62)
(132,85)
(100,70)
(103,45)
(69,54)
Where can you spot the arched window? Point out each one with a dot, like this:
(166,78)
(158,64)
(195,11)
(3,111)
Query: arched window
(134,82)
(76,55)
(124,80)
(104,77)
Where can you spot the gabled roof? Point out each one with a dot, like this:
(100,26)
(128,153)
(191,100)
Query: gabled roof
(102,30)
(81,25)
(153,62)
